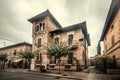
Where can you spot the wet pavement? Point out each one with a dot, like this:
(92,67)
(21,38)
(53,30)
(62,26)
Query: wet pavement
(52,75)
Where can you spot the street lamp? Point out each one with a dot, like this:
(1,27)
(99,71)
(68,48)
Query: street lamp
(83,40)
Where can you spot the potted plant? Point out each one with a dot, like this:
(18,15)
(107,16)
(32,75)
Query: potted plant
(42,68)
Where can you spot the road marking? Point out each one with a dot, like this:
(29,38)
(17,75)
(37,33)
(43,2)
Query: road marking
(10,77)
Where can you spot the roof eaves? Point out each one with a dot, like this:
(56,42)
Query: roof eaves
(44,14)
(111,14)
(16,45)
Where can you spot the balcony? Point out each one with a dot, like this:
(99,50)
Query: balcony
(74,45)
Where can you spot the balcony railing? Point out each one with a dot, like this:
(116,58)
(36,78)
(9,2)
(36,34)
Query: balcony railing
(74,45)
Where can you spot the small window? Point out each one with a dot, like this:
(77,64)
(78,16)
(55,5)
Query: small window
(106,46)
(83,57)
(56,40)
(70,39)
(40,28)
(39,42)
(14,52)
(112,40)
(37,28)
(43,26)
(112,27)
(39,56)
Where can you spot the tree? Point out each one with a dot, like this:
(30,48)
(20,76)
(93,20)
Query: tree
(28,55)
(58,50)
(3,59)
(103,62)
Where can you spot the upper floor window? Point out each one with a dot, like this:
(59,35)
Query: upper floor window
(39,56)
(37,28)
(83,56)
(112,27)
(40,27)
(106,46)
(56,40)
(39,42)
(70,39)
(15,52)
(112,40)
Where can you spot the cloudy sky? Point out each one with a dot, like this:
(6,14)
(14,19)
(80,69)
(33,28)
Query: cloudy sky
(14,27)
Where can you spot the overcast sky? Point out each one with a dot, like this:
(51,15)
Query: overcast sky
(14,27)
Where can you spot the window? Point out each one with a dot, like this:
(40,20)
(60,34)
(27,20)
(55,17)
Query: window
(43,26)
(39,42)
(70,39)
(14,52)
(37,28)
(83,57)
(112,40)
(70,58)
(56,40)
(112,27)
(39,56)
(106,46)
(40,28)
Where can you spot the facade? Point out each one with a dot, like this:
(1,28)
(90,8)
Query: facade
(46,29)
(111,32)
(14,61)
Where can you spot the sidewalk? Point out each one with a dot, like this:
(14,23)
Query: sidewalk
(69,75)
(64,74)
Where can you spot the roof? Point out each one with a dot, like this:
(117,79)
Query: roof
(45,14)
(115,5)
(16,45)
(74,27)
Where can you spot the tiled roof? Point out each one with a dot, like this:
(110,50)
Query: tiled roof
(115,5)
(74,27)
(45,14)
(16,45)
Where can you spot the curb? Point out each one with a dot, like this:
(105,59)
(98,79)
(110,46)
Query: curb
(52,75)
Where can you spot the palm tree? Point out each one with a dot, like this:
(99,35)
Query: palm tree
(28,55)
(3,59)
(58,50)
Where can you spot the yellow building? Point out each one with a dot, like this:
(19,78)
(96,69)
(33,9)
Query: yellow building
(111,33)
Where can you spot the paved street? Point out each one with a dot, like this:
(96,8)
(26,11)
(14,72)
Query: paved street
(22,76)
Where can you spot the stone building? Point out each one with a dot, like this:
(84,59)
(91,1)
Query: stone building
(46,29)
(14,61)
(111,32)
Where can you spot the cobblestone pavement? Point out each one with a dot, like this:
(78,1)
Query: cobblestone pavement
(93,76)
(79,75)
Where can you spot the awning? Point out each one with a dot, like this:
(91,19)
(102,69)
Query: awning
(17,60)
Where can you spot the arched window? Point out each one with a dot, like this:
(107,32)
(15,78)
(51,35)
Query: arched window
(37,28)
(70,39)
(39,42)
(40,28)
(43,26)
(56,40)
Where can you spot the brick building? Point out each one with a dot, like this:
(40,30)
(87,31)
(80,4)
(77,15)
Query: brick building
(111,32)
(13,59)
(46,29)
